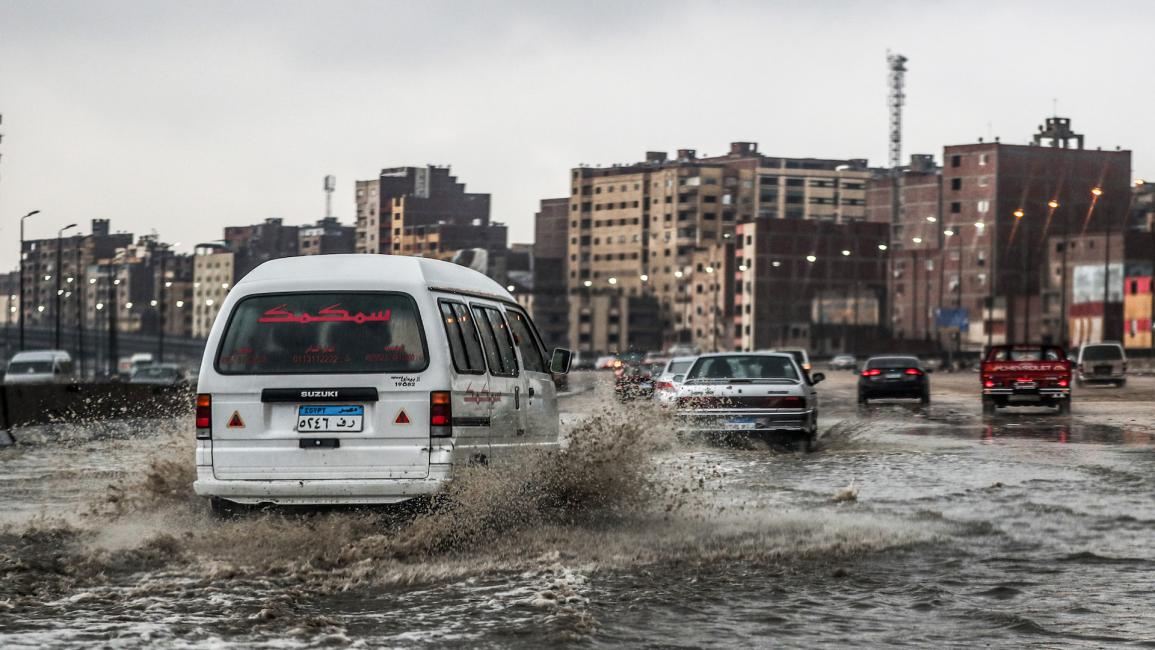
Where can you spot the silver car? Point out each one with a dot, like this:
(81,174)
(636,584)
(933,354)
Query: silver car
(753,394)
(666,382)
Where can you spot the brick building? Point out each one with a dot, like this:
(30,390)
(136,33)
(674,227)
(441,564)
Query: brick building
(423,211)
(636,229)
(550,298)
(984,249)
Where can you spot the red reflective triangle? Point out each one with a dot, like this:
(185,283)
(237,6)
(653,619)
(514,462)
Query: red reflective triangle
(401,418)
(236,422)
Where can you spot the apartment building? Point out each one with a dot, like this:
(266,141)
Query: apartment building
(326,237)
(214,273)
(420,211)
(550,301)
(983,252)
(635,229)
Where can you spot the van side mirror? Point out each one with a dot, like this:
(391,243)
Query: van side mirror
(816,378)
(560,361)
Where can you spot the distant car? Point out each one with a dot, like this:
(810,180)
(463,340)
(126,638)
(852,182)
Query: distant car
(843,362)
(671,376)
(605,362)
(159,374)
(800,355)
(893,377)
(761,394)
(1026,375)
(634,382)
(39,367)
(1101,363)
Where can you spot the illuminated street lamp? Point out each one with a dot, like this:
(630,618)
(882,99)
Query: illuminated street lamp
(510,288)
(1019,213)
(678,274)
(1053,204)
(1097,191)
(588,283)
(811,258)
(931,219)
(59,262)
(845,253)
(882,247)
(612,281)
(917,240)
(30,214)
(775,263)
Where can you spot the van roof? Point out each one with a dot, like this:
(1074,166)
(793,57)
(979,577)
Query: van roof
(39,355)
(369,272)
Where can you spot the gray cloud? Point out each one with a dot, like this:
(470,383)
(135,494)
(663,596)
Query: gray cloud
(185,117)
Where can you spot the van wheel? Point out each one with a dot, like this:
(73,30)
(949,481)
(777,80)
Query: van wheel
(988,406)
(924,400)
(225,509)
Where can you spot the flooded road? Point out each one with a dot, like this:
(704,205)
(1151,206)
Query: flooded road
(905,529)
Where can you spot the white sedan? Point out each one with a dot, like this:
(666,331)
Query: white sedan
(760,394)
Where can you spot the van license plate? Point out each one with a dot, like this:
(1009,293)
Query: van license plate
(319,418)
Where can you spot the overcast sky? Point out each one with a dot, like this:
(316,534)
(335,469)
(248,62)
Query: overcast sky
(184,117)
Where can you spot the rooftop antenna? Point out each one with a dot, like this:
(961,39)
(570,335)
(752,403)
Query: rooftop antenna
(330,185)
(897,98)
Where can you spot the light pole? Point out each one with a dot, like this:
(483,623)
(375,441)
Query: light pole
(1096,193)
(30,214)
(713,310)
(59,291)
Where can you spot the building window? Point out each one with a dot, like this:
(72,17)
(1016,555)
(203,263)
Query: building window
(983,206)
(955,207)
(982,158)
(956,184)
(955,161)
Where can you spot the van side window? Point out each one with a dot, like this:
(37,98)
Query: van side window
(531,354)
(464,345)
(495,339)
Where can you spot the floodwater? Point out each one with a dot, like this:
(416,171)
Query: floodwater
(904,529)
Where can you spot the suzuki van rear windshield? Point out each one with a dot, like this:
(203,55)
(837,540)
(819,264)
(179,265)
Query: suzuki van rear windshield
(330,333)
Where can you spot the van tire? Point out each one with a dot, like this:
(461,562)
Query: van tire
(989,406)
(225,509)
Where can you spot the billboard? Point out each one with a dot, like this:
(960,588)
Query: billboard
(1088,284)
(952,319)
(844,310)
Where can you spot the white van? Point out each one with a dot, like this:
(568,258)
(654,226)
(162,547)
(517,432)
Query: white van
(365,379)
(39,367)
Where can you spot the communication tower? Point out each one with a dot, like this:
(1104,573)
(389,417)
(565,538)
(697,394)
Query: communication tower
(330,185)
(897,65)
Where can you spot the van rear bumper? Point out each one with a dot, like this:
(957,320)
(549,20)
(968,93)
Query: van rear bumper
(321,491)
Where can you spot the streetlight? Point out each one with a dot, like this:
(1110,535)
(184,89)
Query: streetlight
(845,253)
(30,214)
(811,258)
(882,247)
(1019,213)
(612,281)
(1054,205)
(59,291)
(587,284)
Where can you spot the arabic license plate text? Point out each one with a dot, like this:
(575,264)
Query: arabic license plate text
(743,423)
(315,419)
(893,375)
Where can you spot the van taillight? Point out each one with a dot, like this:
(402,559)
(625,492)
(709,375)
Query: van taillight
(204,416)
(440,414)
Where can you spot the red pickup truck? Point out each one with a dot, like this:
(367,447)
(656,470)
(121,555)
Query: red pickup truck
(1026,375)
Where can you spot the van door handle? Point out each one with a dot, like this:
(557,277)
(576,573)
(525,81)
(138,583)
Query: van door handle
(531,391)
(517,397)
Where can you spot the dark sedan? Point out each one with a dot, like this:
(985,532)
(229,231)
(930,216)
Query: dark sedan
(893,377)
